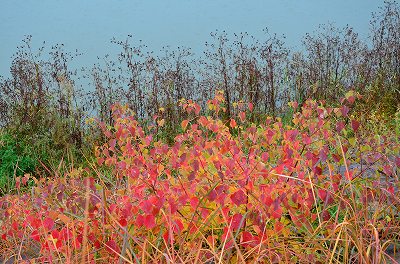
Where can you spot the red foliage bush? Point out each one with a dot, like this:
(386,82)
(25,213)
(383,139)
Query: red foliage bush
(260,190)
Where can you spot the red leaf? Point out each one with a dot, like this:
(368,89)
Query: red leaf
(238,197)
(197,109)
(251,107)
(18,182)
(214,128)
(398,162)
(237,221)
(278,226)
(97,244)
(247,238)
(55,234)
(33,221)
(146,206)
(100,161)
(348,175)
(345,149)
(35,235)
(391,190)
(25,179)
(177,226)
(112,247)
(121,165)
(351,99)
(139,220)
(307,140)
(355,125)
(294,105)
(242,116)
(277,212)
(203,121)
(149,221)
(14,225)
(123,222)
(336,157)
(211,239)
(168,237)
(205,212)
(48,223)
(318,170)
(325,215)
(322,194)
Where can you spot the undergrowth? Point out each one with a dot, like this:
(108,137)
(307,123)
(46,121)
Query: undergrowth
(317,189)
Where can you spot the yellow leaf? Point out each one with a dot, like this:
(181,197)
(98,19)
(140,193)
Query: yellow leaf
(352,141)
(161,122)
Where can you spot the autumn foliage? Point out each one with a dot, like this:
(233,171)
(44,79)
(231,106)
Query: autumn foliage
(226,190)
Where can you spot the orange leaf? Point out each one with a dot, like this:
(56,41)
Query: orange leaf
(184,124)
(232,123)
(64,218)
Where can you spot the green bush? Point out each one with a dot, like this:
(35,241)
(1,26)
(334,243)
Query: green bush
(16,159)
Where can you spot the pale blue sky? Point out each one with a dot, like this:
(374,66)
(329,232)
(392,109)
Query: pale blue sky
(88,25)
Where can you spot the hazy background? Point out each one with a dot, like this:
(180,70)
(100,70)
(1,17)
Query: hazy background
(89,25)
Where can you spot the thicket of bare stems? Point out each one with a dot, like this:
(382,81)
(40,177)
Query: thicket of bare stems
(43,92)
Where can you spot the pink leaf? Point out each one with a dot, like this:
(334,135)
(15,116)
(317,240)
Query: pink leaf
(212,195)
(387,169)
(345,110)
(265,156)
(339,126)
(112,144)
(194,202)
(148,140)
